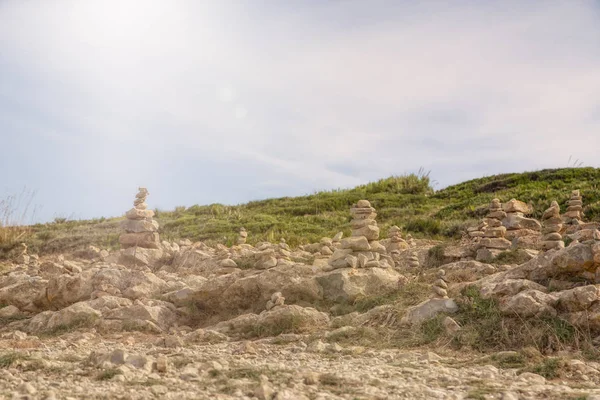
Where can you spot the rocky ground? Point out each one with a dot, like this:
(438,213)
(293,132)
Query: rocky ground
(188,321)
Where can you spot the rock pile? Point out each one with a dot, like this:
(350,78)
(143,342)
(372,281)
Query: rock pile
(362,249)
(140,229)
(552,226)
(242,237)
(440,286)
(283,251)
(574,212)
(517,225)
(493,241)
(596,247)
(411,242)
(277,299)
(396,242)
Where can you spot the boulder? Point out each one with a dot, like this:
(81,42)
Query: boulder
(26,293)
(529,303)
(348,284)
(578,299)
(283,319)
(428,309)
(516,206)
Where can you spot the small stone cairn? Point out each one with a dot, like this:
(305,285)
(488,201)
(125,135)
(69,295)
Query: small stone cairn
(283,251)
(242,237)
(493,241)
(396,242)
(440,286)
(22,256)
(413,261)
(140,229)
(277,299)
(477,232)
(411,241)
(574,213)
(552,226)
(362,249)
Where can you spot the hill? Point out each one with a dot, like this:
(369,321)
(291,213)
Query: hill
(407,201)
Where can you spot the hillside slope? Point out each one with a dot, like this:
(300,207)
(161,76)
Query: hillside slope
(406,201)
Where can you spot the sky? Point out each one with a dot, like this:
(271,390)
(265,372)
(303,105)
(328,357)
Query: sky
(230,101)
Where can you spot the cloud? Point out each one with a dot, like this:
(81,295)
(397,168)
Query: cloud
(306,96)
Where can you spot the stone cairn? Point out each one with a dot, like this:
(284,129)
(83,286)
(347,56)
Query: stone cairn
(362,249)
(242,237)
(283,251)
(411,241)
(552,226)
(477,232)
(413,261)
(277,299)
(22,256)
(574,213)
(396,242)
(140,229)
(440,286)
(516,223)
(493,241)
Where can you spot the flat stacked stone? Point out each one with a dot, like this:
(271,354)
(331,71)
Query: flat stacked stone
(362,249)
(574,213)
(242,237)
(517,225)
(396,243)
(140,229)
(283,251)
(493,242)
(552,226)
(477,232)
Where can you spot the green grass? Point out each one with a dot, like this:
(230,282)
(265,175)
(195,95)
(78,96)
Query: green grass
(8,359)
(407,201)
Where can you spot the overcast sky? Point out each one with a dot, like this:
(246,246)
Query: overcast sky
(230,101)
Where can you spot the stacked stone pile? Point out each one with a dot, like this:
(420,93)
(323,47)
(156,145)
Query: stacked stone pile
(242,237)
(493,241)
(362,249)
(517,225)
(413,261)
(440,286)
(411,241)
(596,246)
(574,213)
(277,299)
(140,229)
(552,226)
(283,251)
(396,243)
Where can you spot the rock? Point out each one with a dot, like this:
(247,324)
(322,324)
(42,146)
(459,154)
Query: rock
(303,320)
(149,240)
(162,365)
(529,303)
(516,206)
(74,316)
(9,312)
(348,284)
(359,243)
(451,326)
(428,309)
(578,299)
(228,263)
